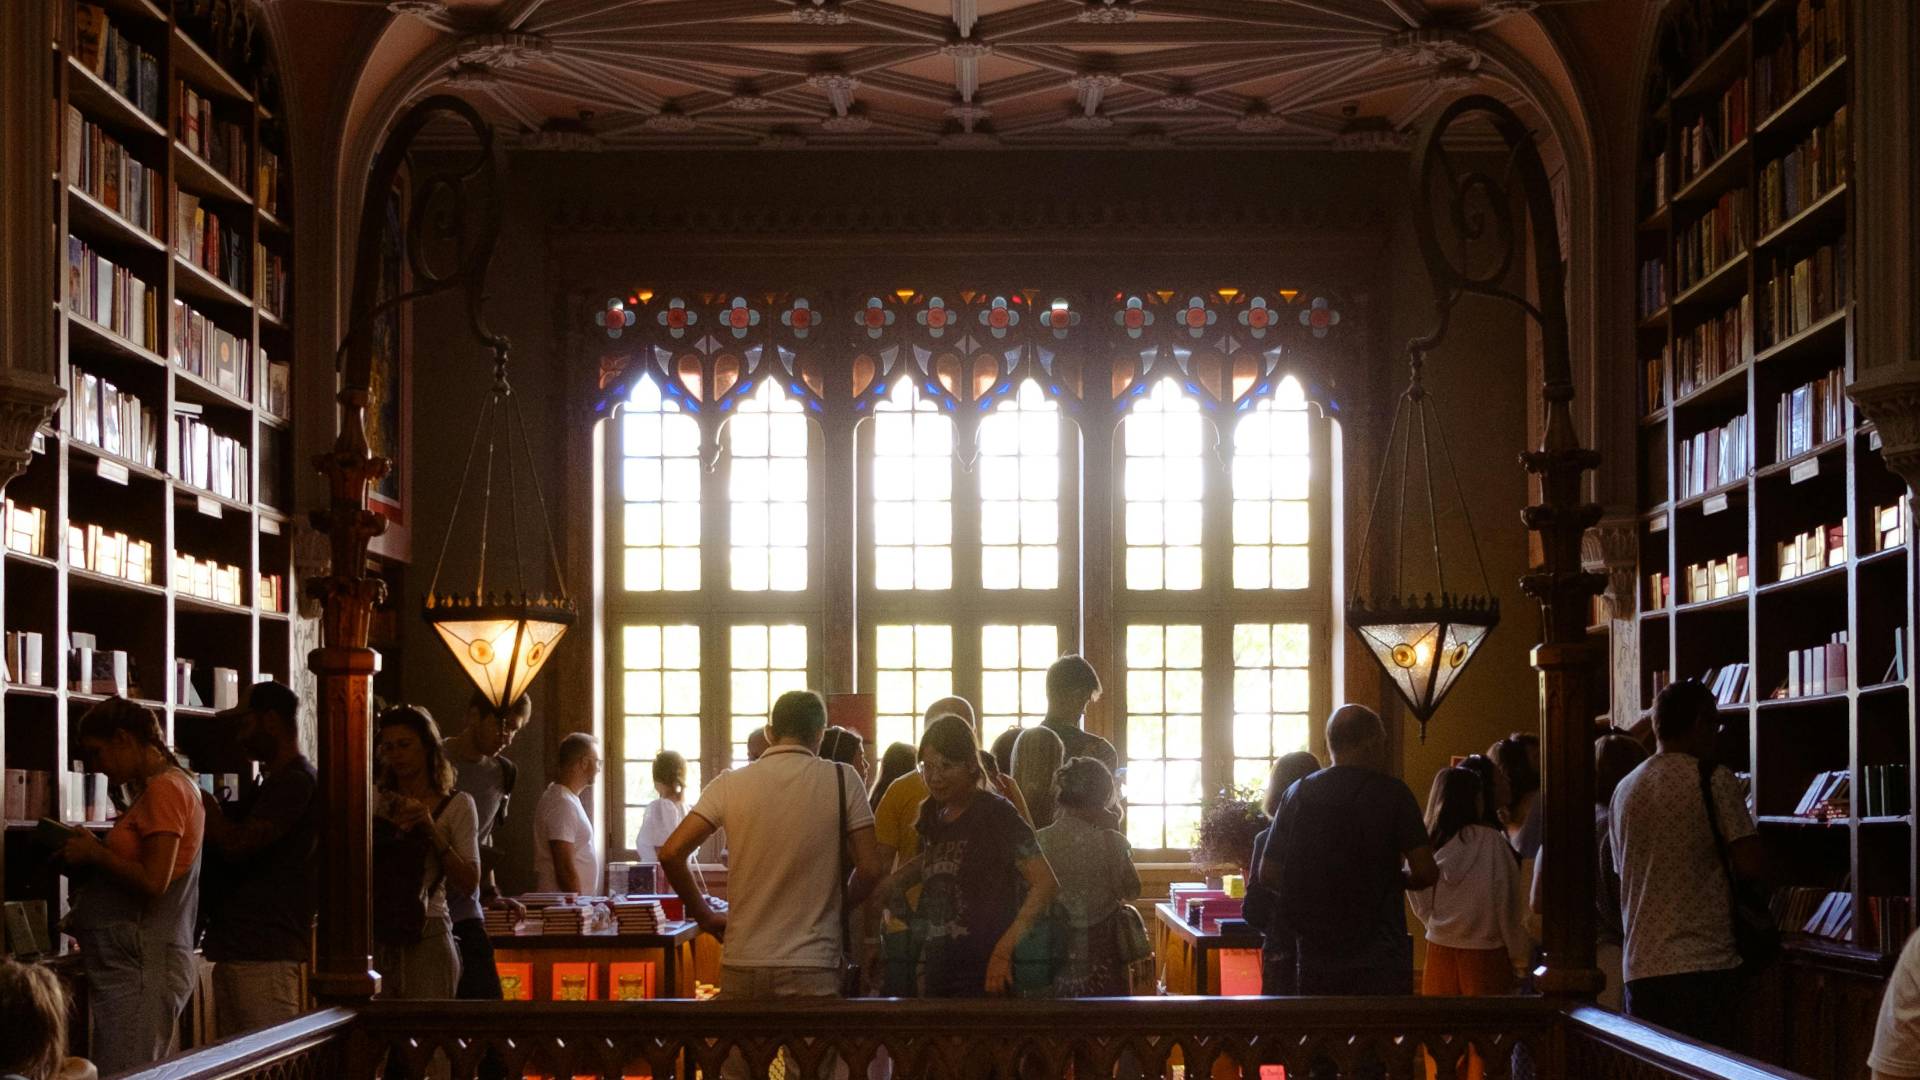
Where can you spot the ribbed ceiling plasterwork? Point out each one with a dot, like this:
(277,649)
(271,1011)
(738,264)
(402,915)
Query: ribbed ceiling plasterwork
(587,75)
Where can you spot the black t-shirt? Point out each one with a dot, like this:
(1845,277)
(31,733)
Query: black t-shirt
(260,907)
(1339,841)
(971,889)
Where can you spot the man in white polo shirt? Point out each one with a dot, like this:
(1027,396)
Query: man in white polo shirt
(783,815)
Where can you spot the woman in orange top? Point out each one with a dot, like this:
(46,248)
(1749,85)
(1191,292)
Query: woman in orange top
(136,895)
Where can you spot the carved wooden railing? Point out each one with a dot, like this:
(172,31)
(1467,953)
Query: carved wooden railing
(1195,1038)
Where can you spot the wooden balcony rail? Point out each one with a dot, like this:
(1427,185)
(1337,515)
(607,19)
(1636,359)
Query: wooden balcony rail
(1214,1038)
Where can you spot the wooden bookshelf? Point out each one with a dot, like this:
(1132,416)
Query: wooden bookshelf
(1713,64)
(80,481)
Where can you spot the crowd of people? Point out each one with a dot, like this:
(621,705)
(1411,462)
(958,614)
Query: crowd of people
(958,871)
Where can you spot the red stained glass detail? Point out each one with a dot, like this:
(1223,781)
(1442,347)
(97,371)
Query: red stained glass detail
(726,375)
(1122,379)
(1136,317)
(946,368)
(985,372)
(691,376)
(1246,372)
(1211,368)
(863,374)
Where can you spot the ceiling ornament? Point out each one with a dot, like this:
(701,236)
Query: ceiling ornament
(431,10)
(471,77)
(564,137)
(819,13)
(1258,121)
(1371,133)
(670,121)
(1089,121)
(1503,8)
(749,103)
(507,50)
(837,86)
(1106,12)
(1433,47)
(1182,103)
(852,122)
(970,114)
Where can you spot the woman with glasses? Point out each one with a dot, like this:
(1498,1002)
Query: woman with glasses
(983,881)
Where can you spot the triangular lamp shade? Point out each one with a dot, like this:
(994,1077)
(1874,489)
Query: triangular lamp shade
(501,647)
(1424,648)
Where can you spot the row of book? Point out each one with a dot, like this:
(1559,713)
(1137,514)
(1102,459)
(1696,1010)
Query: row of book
(1828,796)
(207,579)
(93,670)
(109,552)
(26,528)
(94,162)
(1731,684)
(1717,238)
(224,685)
(132,72)
(1812,551)
(207,459)
(1809,171)
(266,188)
(1653,286)
(1719,128)
(112,295)
(1714,457)
(1659,588)
(77,796)
(1818,39)
(1810,415)
(113,419)
(270,287)
(1796,293)
(1884,791)
(1712,348)
(1716,579)
(1892,524)
(1653,381)
(203,349)
(25,656)
(1817,669)
(271,591)
(1813,911)
(204,239)
(220,143)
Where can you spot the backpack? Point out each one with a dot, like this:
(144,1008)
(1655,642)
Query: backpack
(399,907)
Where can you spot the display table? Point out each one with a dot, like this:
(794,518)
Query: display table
(597,967)
(1213,964)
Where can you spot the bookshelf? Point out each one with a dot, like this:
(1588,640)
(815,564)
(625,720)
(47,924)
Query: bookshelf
(1764,564)
(174,339)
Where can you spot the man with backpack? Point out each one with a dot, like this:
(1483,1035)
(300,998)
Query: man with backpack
(1347,844)
(487,775)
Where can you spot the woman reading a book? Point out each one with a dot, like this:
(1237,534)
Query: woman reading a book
(136,895)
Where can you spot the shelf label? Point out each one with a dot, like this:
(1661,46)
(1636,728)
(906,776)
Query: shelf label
(269,526)
(1658,525)
(1873,439)
(208,506)
(111,471)
(1806,470)
(1713,505)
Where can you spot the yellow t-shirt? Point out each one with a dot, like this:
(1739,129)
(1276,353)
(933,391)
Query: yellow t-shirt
(899,809)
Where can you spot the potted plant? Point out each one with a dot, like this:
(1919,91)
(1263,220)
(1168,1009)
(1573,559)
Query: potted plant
(1228,824)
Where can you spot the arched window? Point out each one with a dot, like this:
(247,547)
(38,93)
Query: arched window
(1224,550)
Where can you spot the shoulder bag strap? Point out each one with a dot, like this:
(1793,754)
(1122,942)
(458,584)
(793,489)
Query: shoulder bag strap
(1719,841)
(840,845)
(441,877)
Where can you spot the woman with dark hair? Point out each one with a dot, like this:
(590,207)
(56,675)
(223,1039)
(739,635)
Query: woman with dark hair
(665,813)
(848,748)
(1094,865)
(137,894)
(894,764)
(1279,964)
(1493,787)
(983,881)
(1476,913)
(425,842)
(1518,756)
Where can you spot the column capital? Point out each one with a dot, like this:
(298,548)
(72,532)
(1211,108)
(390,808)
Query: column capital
(1890,396)
(1612,547)
(28,400)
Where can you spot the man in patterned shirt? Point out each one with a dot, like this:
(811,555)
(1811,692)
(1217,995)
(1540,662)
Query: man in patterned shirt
(1681,966)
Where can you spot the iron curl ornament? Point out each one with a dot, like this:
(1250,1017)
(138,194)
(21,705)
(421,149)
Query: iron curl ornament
(1469,225)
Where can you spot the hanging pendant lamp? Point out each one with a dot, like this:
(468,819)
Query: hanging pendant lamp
(501,639)
(1422,640)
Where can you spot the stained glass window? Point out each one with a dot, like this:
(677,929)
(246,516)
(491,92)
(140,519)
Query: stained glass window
(766,661)
(659,492)
(1019,476)
(913,668)
(767,492)
(660,706)
(1013,676)
(1165,489)
(912,492)
(1272,466)
(1164,736)
(1271,687)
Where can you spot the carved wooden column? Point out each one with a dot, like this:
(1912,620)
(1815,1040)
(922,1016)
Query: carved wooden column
(1611,548)
(29,389)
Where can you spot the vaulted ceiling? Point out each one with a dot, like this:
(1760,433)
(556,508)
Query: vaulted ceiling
(629,74)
